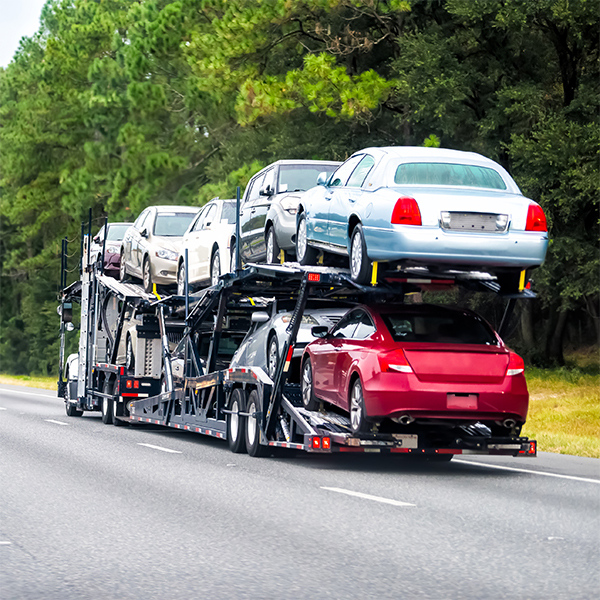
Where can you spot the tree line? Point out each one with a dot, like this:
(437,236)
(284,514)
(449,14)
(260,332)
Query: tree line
(114,105)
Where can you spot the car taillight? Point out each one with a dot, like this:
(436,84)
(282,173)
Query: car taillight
(406,212)
(394,362)
(536,219)
(515,365)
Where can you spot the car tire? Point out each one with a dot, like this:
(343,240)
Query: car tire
(309,401)
(215,267)
(509,282)
(147,275)
(273,249)
(122,270)
(236,423)
(305,254)
(252,429)
(358,414)
(129,357)
(359,261)
(181,280)
(272,355)
(107,404)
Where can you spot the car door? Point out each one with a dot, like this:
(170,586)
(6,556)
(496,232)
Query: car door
(345,198)
(247,216)
(143,238)
(191,242)
(205,241)
(131,242)
(335,208)
(325,357)
(259,210)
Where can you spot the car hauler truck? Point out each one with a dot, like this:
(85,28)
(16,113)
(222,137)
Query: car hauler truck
(165,360)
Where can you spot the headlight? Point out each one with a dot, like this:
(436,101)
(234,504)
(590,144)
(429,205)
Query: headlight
(112,250)
(290,204)
(306,319)
(167,254)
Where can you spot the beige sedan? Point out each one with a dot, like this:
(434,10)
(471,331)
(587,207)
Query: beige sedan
(150,247)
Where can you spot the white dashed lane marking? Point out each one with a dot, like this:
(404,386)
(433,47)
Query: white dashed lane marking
(160,448)
(55,422)
(531,472)
(367,496)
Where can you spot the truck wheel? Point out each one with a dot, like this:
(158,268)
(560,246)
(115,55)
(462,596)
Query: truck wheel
(236,424)
(118,411)
(107,404)
(147,275)
(308,395)
(273,249)
(253,445)
(71,409)
(358,415)
(305,254)
(359,261)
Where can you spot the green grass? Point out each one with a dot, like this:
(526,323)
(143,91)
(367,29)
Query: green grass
(47,383)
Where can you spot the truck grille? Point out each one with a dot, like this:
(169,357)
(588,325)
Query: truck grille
(475,222)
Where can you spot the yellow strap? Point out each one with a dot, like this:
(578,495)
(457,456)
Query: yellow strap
(251,301)
(522,281)
(154,291)
(374,274)
(281,256)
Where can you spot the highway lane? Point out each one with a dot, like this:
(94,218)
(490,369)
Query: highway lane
(87,511)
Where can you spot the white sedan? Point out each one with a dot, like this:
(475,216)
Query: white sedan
(207,242)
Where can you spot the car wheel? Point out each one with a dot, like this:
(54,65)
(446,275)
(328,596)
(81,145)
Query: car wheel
(359,261)
(305,254)
(273,250)
(509,282)
(236,425)
(358,420)
(107,404)
(308,395)
(122,270)
(181,280)
(129,356)
(272,355)
(253,445)
(215,267)
(232,261)
(147,275)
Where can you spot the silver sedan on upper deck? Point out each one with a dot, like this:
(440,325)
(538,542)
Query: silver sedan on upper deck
(430,207)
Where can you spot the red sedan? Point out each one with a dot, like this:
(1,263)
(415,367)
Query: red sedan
(416,362)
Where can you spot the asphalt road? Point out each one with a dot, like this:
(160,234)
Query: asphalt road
(88,511)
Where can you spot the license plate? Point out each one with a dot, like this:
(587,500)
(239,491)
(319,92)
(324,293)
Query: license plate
(404,440)
(462,401)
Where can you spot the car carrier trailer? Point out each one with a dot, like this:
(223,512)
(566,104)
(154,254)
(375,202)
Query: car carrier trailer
(181,378)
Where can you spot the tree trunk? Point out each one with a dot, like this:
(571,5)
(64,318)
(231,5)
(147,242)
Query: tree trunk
(555,342)
(593,310)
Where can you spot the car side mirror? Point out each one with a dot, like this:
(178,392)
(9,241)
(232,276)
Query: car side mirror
(144,233)
(323,178)
(266,191)
(319,331)
(260,317)
(96,239)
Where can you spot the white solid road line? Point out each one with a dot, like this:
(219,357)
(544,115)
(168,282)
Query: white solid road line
(544,473)
(5,543)
(367,496)
(29,393)
(2,408)
(160,448)
(56,422)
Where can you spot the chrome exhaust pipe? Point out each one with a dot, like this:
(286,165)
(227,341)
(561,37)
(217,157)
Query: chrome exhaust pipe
(404,420)
(509,423)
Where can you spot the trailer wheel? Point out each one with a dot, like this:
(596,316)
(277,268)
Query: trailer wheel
(71,410)
(358,415)
(236,424)
(253,445)
(107,404)
(118,411)
(308,395)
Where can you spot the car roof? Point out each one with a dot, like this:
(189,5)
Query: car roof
(416,309)
(175,208)
(422,153)
(334,163)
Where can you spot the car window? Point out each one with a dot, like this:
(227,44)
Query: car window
(140,220)
(346,327)
(255,186)
(268,181)
(228,212)
(172,224)
(198,222)
(442,328)
(448,174)
(365,326)
(209,217)
(117,232)
(343,173)
(299,178)
(360,173)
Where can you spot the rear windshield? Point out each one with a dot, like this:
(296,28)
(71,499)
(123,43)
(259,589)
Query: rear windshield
(448,174)
(228,214)
(116,232)
(447,328)
(299,178)
(172,224)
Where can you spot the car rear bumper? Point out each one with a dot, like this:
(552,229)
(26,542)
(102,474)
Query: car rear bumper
(521,250)
(395,394)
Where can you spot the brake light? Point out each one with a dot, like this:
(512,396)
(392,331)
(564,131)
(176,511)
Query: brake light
(136,384)
(406,212)
(314,277)
(128,384)
(536,219)
(394,362)
(515,365)
(316,442)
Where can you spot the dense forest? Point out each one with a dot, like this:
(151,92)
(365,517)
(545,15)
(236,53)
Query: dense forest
(115,105)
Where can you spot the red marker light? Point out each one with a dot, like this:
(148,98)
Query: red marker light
(136,384)
(316,442)
(326,443)
(129,384)
(314,277)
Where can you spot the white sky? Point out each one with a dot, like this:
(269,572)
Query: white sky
(18,18)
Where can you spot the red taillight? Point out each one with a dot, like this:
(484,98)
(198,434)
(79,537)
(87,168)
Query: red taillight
(394,362)
(536,219)
(136,384)
(515,365)
(326,443)
(316,442)
(406,212)
(128,384)
(314,277)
